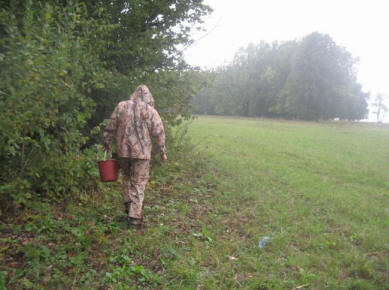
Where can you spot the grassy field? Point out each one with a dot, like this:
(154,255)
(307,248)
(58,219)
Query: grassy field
(319,191)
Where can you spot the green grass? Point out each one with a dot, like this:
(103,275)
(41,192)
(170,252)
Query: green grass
(320,191)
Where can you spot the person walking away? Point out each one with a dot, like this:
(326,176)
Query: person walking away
(133,123)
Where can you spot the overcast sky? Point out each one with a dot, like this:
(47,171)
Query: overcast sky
(361,26)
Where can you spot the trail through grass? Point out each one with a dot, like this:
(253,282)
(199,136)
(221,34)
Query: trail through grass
(319,191)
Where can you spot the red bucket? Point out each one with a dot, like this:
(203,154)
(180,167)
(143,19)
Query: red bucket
(108,170)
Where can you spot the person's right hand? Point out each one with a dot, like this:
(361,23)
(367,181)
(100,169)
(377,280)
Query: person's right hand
(163,157)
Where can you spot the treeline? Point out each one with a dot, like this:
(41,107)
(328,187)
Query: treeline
(64,65)
(310,79)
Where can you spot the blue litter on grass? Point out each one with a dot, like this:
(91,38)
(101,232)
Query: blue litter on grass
(265,240)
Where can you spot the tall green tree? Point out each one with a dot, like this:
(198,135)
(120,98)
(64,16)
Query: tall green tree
(309,79)
(322,74)
(147,41)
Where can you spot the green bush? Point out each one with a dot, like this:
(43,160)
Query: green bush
(64,67)
(47,63)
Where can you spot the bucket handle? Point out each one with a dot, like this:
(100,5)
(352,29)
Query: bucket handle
(105,155)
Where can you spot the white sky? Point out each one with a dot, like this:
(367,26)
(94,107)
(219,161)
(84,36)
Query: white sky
(361,26)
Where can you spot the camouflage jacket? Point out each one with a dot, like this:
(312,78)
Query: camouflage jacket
(134,122)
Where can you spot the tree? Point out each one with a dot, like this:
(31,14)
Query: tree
(310,79)
(322,77)
(145,42)
(380,105)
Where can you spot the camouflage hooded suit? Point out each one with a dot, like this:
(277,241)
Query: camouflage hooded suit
(134,122)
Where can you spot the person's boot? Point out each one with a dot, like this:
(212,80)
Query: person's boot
(135,222)
(127,207)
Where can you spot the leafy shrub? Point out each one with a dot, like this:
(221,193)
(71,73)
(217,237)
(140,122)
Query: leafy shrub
(64,67)
(49,63)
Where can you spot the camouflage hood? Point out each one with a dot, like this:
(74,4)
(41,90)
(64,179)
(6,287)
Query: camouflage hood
(143,94)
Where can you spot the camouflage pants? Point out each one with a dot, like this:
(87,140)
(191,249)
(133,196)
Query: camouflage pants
(135,177)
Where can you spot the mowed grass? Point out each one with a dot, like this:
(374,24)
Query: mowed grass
(320,191)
